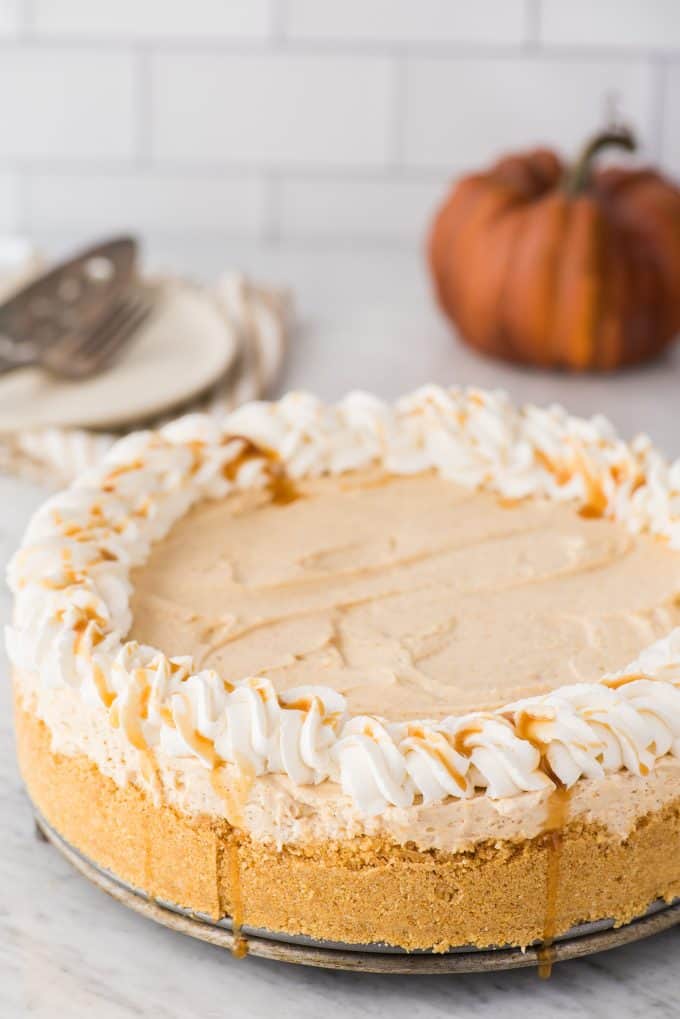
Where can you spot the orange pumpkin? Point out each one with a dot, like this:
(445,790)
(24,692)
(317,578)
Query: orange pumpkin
(572,268)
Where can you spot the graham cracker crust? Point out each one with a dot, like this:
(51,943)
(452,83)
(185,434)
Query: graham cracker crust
(360,890)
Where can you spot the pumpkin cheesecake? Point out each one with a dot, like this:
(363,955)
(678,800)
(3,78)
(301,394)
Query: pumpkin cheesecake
(398,674)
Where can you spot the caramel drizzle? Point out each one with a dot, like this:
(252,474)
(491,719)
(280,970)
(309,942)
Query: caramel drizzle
(304,704)
(460,740)
(109,483)
(99,679)
(555,824)
(417,732)
(234,800)
(183,722)
(619,681)
(557,816)
(595,503)
(234,794)
(280,487)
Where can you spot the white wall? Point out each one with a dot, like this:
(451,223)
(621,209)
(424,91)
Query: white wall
(299,119)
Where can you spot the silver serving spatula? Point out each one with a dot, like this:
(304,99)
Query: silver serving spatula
(68,302)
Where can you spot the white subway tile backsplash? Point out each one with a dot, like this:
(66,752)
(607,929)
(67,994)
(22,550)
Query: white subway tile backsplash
(154,19)
(357,207)
(66,104)
(671,122)
(644,24)
(271,109)
(153,202)
(9,203)
(405,21)
(307,118)
(462,112)
(10,18)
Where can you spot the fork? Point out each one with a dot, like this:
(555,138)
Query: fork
(80,355)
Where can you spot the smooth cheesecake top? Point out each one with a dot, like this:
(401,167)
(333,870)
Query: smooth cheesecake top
(412,596)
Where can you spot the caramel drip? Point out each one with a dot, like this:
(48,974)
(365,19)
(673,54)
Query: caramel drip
(455,775)
(80,629)
(70,579)
(150,772)
(240,945)
(555,823)
(596,501)
(304,704)
(99,680)
(279,485)
(561,471)
(197,447)
(233,791)
(138,699)
(418,732)
(109,484)
(619,681)
(144,508)
(203,747)
(557,815)
(282,489)
(462,736)
(230,470)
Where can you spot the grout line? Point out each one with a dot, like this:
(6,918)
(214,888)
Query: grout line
(272,45)
(26,21)
(272,210)
(397,113)
(657,110)
(328,243)
(532,25)
(143,106)
(22,184)
(235,171)
(279,17)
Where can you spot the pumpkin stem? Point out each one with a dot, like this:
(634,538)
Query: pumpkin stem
(578,175)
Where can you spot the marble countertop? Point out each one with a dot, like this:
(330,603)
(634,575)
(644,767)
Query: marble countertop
(69,952)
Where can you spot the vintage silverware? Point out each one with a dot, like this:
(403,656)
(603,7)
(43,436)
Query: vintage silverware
(84,306)
(86,354)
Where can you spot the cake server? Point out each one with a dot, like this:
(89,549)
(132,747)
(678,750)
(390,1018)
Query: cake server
(72,320)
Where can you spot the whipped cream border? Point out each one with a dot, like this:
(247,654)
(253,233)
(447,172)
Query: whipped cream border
(71,581)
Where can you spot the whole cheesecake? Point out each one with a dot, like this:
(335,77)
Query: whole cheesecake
(398,674)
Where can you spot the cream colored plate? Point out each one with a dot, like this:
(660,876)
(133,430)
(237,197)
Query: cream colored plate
(184,348)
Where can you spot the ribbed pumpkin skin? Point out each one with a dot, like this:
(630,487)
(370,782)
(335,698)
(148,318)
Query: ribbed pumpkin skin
(530,274)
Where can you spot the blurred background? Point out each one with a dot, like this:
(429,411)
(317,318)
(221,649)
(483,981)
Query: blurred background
(290,121)
(307,143)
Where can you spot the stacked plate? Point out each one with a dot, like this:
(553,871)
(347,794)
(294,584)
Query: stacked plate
(202,348)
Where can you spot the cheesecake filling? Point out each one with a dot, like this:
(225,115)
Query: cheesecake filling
(412,596)
(276,811)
